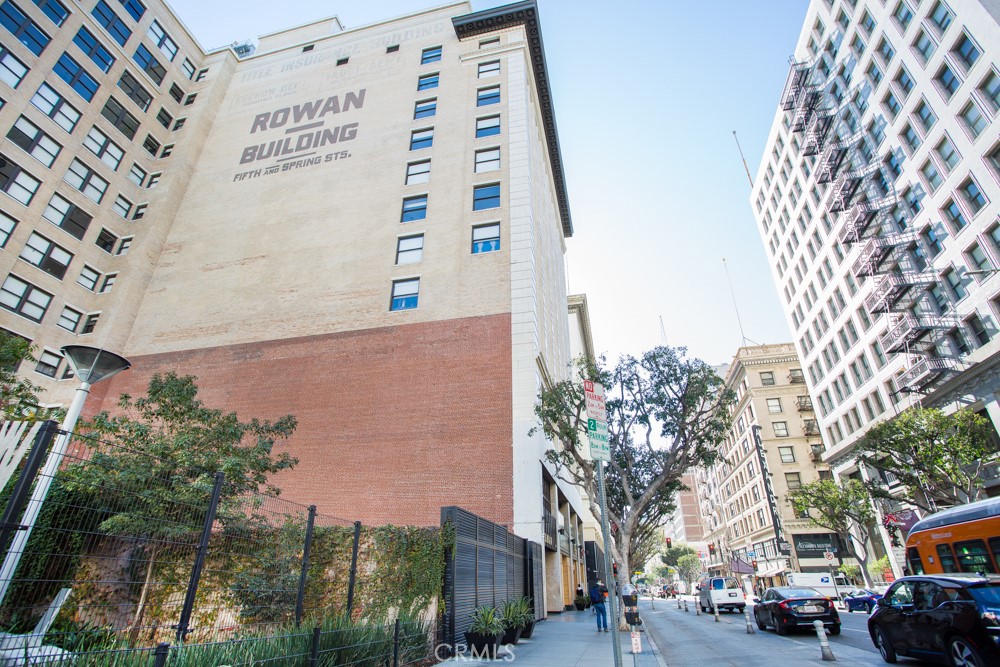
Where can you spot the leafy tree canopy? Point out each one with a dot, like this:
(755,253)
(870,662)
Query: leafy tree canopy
(689,567)
(673,554)
(18,396)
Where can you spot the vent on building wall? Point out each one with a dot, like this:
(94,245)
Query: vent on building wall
(244,49)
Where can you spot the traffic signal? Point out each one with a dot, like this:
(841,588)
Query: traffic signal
(614,569)
(754,564)
(711,549)
(669,542)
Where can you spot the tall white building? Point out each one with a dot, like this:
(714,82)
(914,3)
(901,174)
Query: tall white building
(877,199)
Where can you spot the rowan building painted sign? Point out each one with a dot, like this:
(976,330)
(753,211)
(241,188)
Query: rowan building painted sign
(292,137)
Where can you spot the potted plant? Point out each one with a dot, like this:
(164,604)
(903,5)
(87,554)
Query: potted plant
(512,615)
(581,601)
(528,616)
(485,633)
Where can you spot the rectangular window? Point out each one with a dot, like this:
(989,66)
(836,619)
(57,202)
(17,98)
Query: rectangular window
(903,16)
(91,323)
(485,238)
(410,249)
(54,9)
(905,82)
(414,208)
(489,69)
(24,298)
(931,176)
(70,71)
(780,429)
(16,182)
(425,109)
(117,28)
(134,90)
(162,40)
(418,172)
(106,241)
(947,81)
(926,115)
(117,115)
(122,207)
(767,378)
(774,405)
(487,127)
(793,480)
(94,49)
(487,160)
(137,175)
(151,145)
(88,278)
(176,93)
(101,145)
(55,107)
(990,90)
(124,245)
(428,81)
(404,294)
(69,319)
(941,16)
(956,284)
(68,216)
(486,197)
(867,23)
(48,363)
(911,138)
(431,55)
(149,64)
(978,328)
(487,96)
(421,139)
(953,214)
(46,255)
(179,123)
(24,29)
(924,46)
(7,225)
(489,43)
(33,141)
(948,153)
(892,104)
(140,211)
(966,52)
(154,180)
(973,119)
(86,180)
(12,70)
(787,454)
(108,283)
(188,68)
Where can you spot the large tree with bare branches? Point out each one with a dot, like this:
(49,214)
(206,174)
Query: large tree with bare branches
(666,413)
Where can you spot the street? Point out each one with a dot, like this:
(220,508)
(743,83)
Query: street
(690,639)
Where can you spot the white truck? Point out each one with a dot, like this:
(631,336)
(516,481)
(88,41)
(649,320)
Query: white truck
(824,582)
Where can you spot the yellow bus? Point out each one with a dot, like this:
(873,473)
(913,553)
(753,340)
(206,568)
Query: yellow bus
(965,538)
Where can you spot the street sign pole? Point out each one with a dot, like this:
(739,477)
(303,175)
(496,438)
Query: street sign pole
(606,531)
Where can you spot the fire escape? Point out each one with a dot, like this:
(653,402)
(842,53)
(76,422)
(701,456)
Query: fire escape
(824,108)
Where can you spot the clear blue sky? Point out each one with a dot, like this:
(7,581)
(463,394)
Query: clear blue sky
(646,95)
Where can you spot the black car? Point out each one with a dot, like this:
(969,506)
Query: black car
(950,618)
(789,607)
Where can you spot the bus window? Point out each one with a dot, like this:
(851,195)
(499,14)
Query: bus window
(947,560)
(913,559)
(995,548)
(973,557)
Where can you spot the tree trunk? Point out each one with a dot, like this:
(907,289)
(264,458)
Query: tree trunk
(133,629)
(862,560)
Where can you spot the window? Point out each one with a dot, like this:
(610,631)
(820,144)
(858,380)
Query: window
(487,127)
(89,277)
(24,298)
(932,241)
(33,141)
(24,29)
(973,119)
(54,9)
(904,81)
(140,211)
(176,93)
(924,46)
(485,238)
(151,145)
(94,49)
(154,180)
(958,342)
(16,182)
(404,294)
(68,216)
(911,138)
(70,71)
(931,176)
(7,225)
(100,145)
(978,328)
(189,100)
(867,23)
(203,72)
(431,55)
(941,16)
(489,43)
(926,114)
(953,214)
(874,74)
(414,208)
(179,123)
(486,197)
(137,175)
(787,454)
(903,16)
(977,257)
(135,8)
(973,556)
(340,61)
(69,319)
(421,139)
(410,249)
(487,160)
(12,70)
(162,40)
(428,81)
(46,255)
(392,49)
(55,107)
(188,68)
(48,363)
(418,172)
(489,69)
(90,324)
(966,52)
(149,64)
(954,281)
(134,90)
(990,90)
(780,429)
(114,25)
(973,196)
(947,81)
(793,480)
(122,207)
(108,283)
(487,96)
(118,116)
(425,109)
(892,104)
(86,180)
(767,378)
(948,153)
(106,241)
(774,405)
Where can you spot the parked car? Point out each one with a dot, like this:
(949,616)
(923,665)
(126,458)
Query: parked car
(787,607)
(952,618)
(861,599)
(725,593)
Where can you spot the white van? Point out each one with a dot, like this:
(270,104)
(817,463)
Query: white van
(822,582)
(722,592)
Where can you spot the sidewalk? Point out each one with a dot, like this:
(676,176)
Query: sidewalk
(571,639)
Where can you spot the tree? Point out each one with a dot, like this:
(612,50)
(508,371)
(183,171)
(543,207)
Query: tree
(159,453)
(845,510)
(18,397)
(689,567)
(938,458)
(665,413)
(673,554)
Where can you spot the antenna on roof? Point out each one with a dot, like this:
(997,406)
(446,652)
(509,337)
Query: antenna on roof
(745,167)
(735,306)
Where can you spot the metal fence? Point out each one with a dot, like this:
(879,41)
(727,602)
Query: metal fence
(136,560)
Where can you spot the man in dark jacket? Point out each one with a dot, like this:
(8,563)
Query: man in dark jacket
(598,594)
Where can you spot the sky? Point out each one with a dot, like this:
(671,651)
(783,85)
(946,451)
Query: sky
(647,95)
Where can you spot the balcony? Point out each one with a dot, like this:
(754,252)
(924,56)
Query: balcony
(818,130)
(904,333)
(798,77)
(810,427)
(805,108)
(833,159)
(845,189)
(873,252)
(804,404)
(920,374)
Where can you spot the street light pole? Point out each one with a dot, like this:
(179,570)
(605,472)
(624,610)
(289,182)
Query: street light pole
(91,365)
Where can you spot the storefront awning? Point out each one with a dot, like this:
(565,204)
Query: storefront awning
(771,569)
(740,566)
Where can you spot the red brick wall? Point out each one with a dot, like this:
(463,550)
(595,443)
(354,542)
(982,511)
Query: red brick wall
(393,423)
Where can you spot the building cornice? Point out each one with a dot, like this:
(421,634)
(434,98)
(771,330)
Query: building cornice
(526,14)
(986,372)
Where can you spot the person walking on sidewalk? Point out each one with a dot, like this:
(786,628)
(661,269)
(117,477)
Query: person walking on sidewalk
(598,592)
